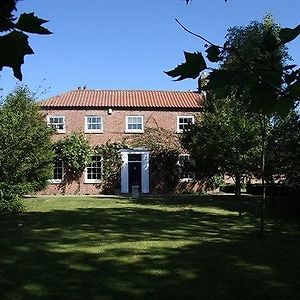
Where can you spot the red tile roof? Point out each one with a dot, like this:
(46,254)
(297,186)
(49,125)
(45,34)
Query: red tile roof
(125,99)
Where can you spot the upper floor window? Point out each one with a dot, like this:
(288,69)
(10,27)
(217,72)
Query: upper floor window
(134,124)
(184,163)
(57,122)
(93,171)
(183,122)
(58,171)
(93,124)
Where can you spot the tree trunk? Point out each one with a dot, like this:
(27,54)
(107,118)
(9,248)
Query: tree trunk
(238,192)
(263,199)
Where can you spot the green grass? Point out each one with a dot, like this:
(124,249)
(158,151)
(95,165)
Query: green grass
(152,248)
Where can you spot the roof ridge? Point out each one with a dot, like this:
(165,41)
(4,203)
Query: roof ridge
(130,90)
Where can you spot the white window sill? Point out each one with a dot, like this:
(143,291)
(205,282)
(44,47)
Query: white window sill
(134,131)
(93,131)
(55,181)
(186,179)
(92,181)
(60,131)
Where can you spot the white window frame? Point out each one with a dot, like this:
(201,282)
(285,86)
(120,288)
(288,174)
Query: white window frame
(57,129)
(178,124)
(86,129)
(127,130)
(89,180)
(62,168)
(189,178)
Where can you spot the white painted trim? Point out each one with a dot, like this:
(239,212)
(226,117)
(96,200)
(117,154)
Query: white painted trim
(145,172)
(86,130)
(184,179)
(145,176)
(124,172)
(86,180)
(134,130)
(57,116)
(55,181)
(177,127)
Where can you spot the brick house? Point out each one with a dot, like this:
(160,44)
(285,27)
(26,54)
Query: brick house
(114,116)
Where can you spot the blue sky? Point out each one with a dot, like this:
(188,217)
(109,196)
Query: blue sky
(127,44)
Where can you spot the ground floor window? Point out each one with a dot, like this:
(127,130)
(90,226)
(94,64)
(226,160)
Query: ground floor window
(93,171)
(184,163)
(58,171)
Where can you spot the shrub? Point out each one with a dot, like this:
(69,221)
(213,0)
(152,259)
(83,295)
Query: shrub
(228,188)
(10,204)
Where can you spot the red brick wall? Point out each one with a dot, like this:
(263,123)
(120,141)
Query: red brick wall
(113,130)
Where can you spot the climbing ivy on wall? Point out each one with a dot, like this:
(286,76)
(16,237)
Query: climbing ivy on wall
(164,148)
(75,152)
(112,162)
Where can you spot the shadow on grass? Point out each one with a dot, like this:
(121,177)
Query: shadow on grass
(249,203)
(145,253)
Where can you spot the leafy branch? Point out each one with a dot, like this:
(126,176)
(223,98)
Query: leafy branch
(273,88)
(14,44)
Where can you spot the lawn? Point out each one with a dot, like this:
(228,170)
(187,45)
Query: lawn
(150,248)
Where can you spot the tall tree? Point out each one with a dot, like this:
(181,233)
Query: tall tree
(262,82)
(284,136)
(26,151)
(224,141)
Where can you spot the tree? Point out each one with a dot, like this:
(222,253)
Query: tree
(224,141)
(266,85)
(26,152)
(75,152)
(14,45)
(285,134)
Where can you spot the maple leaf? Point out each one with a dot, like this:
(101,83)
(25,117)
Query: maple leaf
(14,46)
(194,64)
(32,24)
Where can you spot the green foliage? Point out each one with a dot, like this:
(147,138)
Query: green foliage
(75,151)
(213,182)
(227,188)
(252,63)
(224,141)
(26,154)
(164,149)
(194,64)
(284,136)
(14,45)
(10,203)
(112,162)
(31,23)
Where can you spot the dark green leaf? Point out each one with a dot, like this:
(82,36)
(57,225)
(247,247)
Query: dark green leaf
(288,34)
(282,107)
(6,15)
(213,53)
(270,40)
(14,46)
(291,77)
(194,64)
(219,79)
(263,99)
(31,23)
(294,90)
(289,67)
